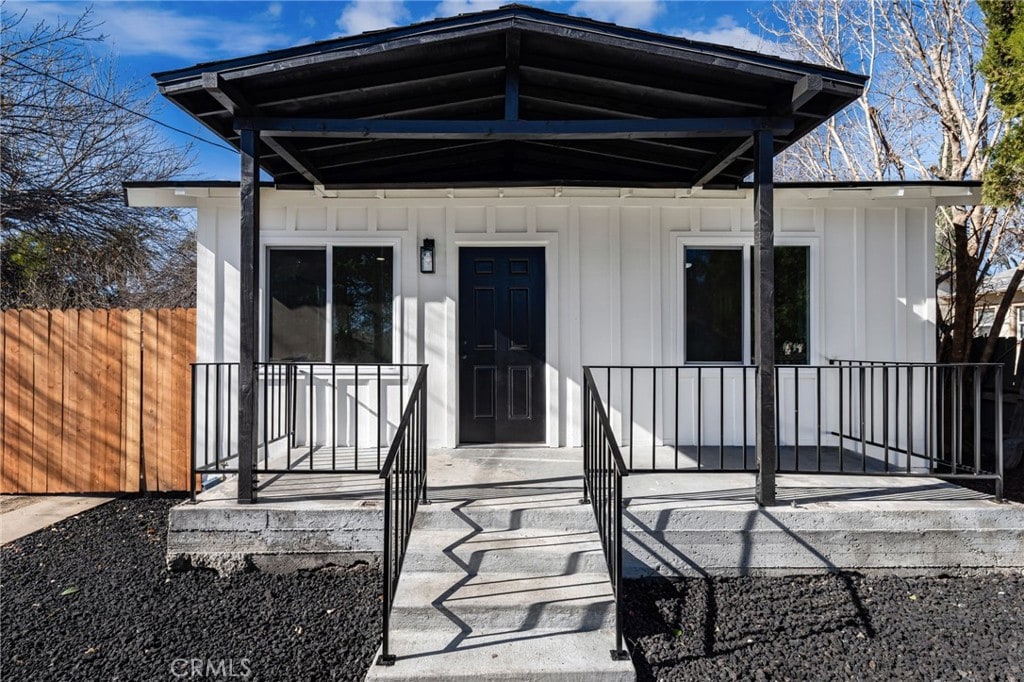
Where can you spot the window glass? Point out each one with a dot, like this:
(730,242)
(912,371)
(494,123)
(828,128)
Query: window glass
(714,305)
(792,305)
(363,292)
(986,318)
(298,304)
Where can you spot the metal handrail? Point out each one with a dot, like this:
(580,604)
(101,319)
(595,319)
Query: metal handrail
(331,417)
(854,417)
(404,473)
(603,471)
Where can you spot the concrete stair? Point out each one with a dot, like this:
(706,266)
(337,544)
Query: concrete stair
(509,589)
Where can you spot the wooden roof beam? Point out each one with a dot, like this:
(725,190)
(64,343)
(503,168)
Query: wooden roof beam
(235,103)
(513,130)
(719,163)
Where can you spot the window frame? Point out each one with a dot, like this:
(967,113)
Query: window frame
(745,242)
(320,244)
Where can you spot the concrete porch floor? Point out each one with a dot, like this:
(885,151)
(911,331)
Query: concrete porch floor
(675,524)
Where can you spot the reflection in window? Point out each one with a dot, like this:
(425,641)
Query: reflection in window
(714,305)
(792,305)
(298,304)
(362,303)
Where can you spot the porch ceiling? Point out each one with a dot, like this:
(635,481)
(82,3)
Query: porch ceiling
(513,96)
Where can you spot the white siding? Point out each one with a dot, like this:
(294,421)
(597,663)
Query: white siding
(612,274)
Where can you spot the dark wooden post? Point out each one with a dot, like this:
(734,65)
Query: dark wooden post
(764,314)
(248,315)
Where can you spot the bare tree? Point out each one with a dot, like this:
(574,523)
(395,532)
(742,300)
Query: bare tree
(925,114)
(70,134)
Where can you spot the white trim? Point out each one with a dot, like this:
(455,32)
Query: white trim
(319,242)
(547,240)
(726,242)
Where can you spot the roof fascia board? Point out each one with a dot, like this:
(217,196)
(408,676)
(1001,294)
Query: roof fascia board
(192,81)
(184,80)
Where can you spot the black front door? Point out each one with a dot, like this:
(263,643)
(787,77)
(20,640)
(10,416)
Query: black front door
(501,345)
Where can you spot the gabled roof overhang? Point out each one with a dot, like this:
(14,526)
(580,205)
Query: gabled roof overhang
(514,96)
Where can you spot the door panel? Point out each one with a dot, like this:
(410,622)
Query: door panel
(501,345)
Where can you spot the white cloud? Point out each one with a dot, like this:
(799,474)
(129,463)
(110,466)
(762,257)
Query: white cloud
(142,29)
(630,13)
(273,10)
(369,15)
(451,8)
(727,32)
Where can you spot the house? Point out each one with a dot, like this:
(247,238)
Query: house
(576,188)
(521,227)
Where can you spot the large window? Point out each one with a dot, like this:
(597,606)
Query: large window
(362,304)
(298,304)
(331,305)
(714,304)
(792,305)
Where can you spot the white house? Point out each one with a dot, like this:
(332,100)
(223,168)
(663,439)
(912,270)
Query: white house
(510,196)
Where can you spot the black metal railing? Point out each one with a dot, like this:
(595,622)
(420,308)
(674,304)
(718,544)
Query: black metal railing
(313,418)
(847,417)
(405,487)
(603,471)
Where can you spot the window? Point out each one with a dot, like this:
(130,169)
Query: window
(985,318)
(362,304)
(331,305)
(714,312)
(714,304)
(1020,322)
(792,305)
(298,304)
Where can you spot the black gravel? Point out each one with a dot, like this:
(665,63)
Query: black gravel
(125,617)
(828,627)
(90,599)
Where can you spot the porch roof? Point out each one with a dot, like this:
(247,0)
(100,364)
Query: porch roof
(512,96)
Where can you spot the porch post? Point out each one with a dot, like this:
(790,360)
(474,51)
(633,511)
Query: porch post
(248,315)
(764,315)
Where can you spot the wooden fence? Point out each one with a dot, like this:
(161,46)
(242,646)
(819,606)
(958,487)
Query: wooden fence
(95,400)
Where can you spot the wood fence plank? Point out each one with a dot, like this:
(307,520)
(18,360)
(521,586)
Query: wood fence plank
(180,415)
(190,356)
(4,409)
(24,418)
(70,387)
(37,333)
(12,420)
(165,387)
(133,398)
(111,435)
(56,475)
(85,353)
(150,402)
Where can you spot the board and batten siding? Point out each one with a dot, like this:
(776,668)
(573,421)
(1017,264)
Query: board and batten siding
(613,273)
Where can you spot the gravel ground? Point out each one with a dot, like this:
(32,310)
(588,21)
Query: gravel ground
(90,599)
(828,627)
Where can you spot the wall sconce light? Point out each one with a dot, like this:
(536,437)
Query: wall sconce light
(427,256)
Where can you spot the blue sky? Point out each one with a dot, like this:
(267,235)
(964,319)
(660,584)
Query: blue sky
(147,37)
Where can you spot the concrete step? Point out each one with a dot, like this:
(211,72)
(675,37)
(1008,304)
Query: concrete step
(503,602)
(561,511)
(533,551)
(454,654)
